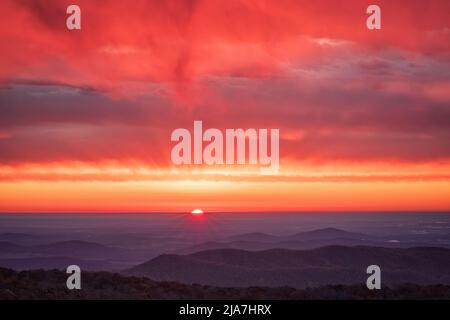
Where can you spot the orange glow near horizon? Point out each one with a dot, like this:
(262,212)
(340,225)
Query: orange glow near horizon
(109,188)
(176,196)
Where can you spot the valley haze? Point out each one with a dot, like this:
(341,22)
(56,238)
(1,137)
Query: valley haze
(238,250)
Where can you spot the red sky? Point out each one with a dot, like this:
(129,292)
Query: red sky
(86,116)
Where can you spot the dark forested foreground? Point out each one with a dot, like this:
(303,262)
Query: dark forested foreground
(40,284)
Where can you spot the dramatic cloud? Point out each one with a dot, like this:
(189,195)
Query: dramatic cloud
(351,104)
(180,41)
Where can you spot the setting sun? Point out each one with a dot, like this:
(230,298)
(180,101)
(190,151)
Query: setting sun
(197,212)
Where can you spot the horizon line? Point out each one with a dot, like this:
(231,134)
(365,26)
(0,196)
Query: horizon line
(239,212)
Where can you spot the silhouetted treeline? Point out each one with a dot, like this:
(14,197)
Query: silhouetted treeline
(40,284)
